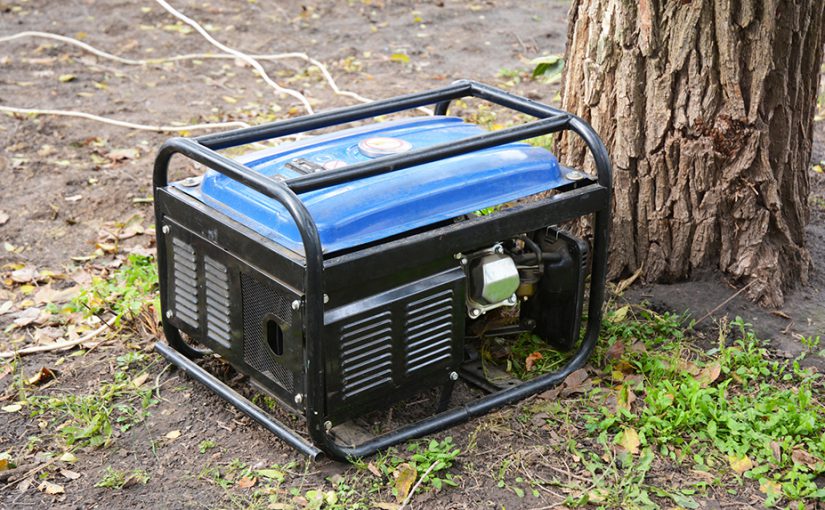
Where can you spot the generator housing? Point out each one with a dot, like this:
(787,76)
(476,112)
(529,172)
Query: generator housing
(347,271)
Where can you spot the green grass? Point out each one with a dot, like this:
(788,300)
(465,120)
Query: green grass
(115,479)
(125,293)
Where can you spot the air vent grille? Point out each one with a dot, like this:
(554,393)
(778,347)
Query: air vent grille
(185,266)
(218,324)
(259,302)
(428,330)
(366,353)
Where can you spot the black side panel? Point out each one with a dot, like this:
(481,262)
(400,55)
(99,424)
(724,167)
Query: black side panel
(557,306)
(393,344)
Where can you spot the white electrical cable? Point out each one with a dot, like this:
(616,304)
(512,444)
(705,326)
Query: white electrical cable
(123,123)
(243,56)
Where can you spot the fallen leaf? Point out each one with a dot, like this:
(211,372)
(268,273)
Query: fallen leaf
(68,457)
(65,78)
(740,464)
(43,375)
(630,441)
(404,482)
(71,475)
(626,398)
(138,382)
(5,307)
(400,57)
(50,488)
(12,408)
(27,316)
(173,434)
(385,506)
(709,374)
(615,351)
(620,314)
(776,450)
(531,359)
(800,456)
(576,379)
(27,274)
(247,482)
(123,154)
(4,218)
(4,464)
(374,470)
(770,488)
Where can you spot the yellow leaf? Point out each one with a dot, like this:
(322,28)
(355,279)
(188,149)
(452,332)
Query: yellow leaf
(230,99)
(740,464)
(709,374)
(620,314)
(630,441)
(770,488)
(4,464)
(65,78)
(173,434)
(68,457)
(400,57)
(405,480)
(246,482)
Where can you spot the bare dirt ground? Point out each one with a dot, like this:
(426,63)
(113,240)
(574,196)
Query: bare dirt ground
(68,184)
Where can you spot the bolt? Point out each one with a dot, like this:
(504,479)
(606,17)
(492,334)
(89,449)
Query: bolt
(165,229)
(453,376)
(326,298)
(498,249)
(169,314)
(475,312)
(327,425)
(299,398)
(464,261)
(296,305)
(575,175)
(458,256)
(512,299)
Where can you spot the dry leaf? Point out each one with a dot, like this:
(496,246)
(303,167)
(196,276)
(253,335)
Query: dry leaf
(405,480)
(709,374)
(374,470)
(776,450)
(615,351)
(173,434)
(25,275)
(531,359)
(12,408)
(138,381)
(4,218)
(123,154)
(43,375)
(4,464)
(50,488)
(740,464)
(630,441)
(385,506)
(800,456)
(247,482)
(770,488)
(620,314)
(71,475)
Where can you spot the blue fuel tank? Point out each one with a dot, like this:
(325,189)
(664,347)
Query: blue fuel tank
(382,206)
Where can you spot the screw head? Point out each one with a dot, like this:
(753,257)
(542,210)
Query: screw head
(575,175)
(190,181)
(327,425)
(475,312)
(463,261)
(458,256)
(165,229)
(296,305)
(169,314)
(299,398)
(326,298)
(512,299)
(453,376)
(498,249)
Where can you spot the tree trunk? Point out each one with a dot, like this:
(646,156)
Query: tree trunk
(707,109)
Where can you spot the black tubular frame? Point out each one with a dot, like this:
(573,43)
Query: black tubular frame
(203,150)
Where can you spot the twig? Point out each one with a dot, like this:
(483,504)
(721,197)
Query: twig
(417,484)
(723,303)
(122,123)
(239,54)
(58,345)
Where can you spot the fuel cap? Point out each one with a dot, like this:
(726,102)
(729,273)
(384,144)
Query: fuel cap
(383,146)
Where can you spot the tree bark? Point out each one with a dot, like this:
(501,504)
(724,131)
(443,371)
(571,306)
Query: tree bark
(707,109)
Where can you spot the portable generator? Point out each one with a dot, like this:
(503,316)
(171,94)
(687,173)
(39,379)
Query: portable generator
(348,271)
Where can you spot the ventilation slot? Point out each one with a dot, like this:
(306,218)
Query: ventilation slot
(260,303)
(366,353)
(184,265)
(217,302)
(428,331)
